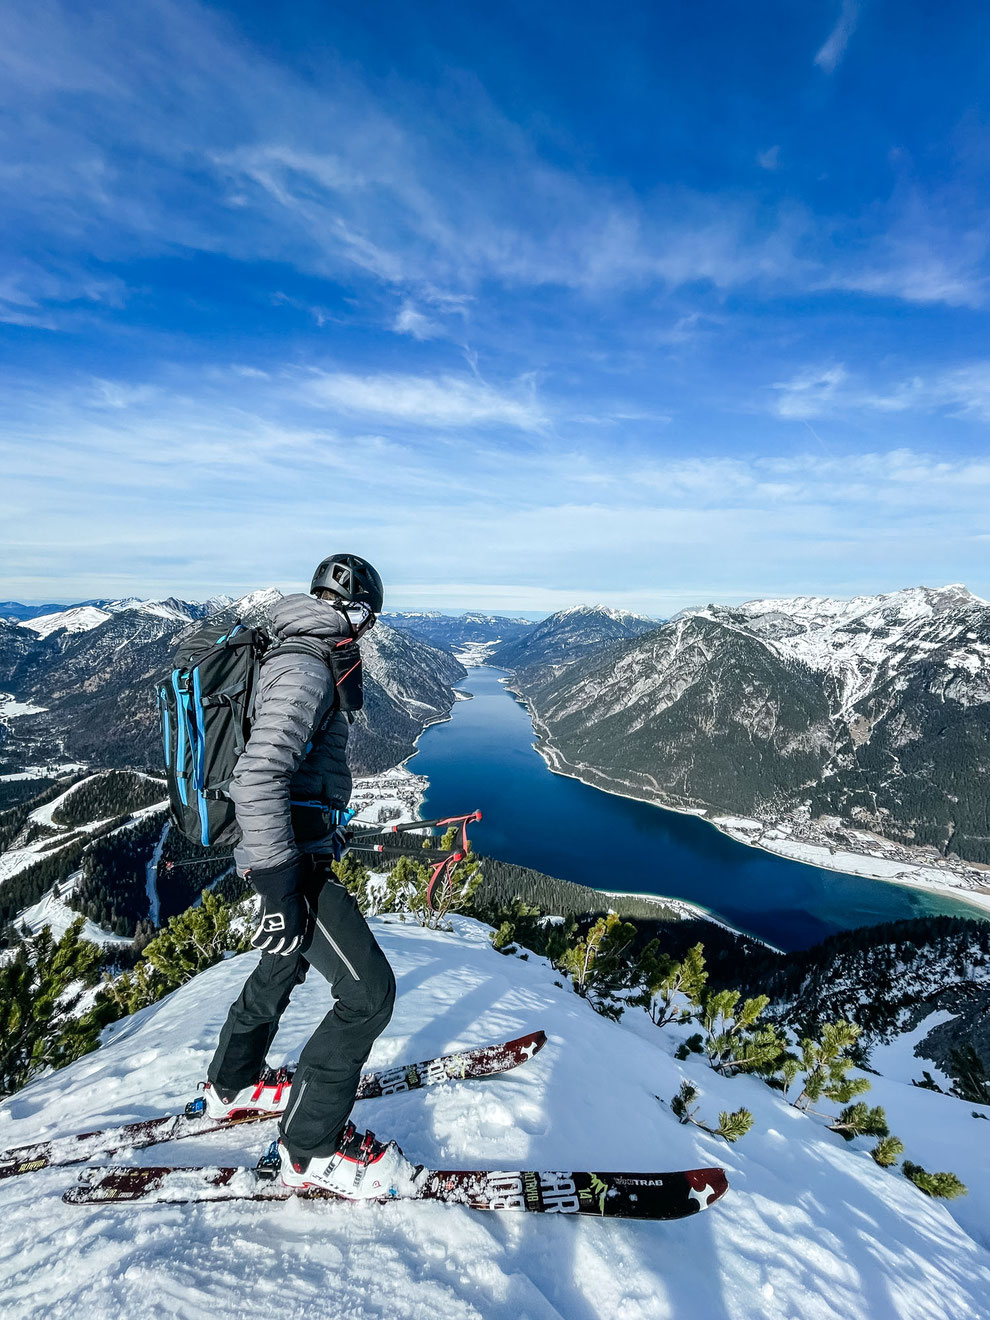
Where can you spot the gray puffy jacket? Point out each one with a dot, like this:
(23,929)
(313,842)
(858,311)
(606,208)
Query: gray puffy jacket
(297,748)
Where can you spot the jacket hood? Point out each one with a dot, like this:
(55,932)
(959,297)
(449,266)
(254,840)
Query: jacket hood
(306,616)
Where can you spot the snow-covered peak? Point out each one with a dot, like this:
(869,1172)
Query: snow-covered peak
(80,618)
(263,599)
(609,612)
(823,611)
(171,608)
(862,639)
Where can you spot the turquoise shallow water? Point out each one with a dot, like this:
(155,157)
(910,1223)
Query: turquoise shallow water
(484,756)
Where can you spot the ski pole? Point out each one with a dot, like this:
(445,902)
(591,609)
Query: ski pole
(409,825)
(204,861)
(417,854)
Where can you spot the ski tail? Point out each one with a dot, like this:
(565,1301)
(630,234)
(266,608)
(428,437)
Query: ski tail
(479,1062)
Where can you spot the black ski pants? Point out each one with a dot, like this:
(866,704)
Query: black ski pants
(341,947)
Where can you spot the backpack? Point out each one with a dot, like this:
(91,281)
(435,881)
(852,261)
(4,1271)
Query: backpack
(206,706)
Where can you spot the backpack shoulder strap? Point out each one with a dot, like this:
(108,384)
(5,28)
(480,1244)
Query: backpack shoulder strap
(300,646)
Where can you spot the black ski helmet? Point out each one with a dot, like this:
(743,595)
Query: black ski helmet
(351,577)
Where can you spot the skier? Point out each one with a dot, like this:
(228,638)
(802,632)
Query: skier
(289,789)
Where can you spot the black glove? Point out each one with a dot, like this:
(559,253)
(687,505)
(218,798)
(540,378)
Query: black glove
(284,910)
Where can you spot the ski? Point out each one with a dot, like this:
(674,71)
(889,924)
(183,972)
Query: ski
(603,1195)
(483,1061)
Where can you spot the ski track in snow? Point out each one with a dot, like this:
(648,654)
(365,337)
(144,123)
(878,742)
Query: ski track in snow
(810,1228)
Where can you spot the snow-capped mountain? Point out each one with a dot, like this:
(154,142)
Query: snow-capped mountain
(810,1226)
(96,683)
(79,618)
(90,614)
(876,711)
(569,634)
(860,641)
(457,631)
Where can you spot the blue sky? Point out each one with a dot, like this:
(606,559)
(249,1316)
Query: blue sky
(532,305)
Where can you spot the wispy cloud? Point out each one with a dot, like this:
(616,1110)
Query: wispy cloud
(410,321)
(834,391)
(274,484)
(445,401)
(243,141)
(834,47)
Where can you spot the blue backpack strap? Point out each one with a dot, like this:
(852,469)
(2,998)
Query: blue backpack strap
(182,736)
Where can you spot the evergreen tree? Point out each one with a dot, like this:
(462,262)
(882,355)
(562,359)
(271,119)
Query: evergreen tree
(945,1185)
(887,1150)
(732,1037)
(185,946)
(859,1120)
(40,988)
(598,963)
(454,892)
(826,1062)
(668,983)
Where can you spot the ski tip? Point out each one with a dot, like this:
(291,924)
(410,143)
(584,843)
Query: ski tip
(707,1186)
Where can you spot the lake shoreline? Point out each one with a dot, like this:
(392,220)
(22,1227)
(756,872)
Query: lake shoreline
(878,863)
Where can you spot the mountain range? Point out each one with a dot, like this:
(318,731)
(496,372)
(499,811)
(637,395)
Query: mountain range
(92,669)
(874,711)
(569,635)
(454,631)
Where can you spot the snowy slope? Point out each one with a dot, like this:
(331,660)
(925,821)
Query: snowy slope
(811,1228)
(866,638)
(81,618)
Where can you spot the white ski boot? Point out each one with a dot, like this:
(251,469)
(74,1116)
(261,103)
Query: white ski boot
(361,1167)
(269,1095)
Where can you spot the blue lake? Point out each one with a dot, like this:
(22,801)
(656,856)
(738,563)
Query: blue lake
(484,757)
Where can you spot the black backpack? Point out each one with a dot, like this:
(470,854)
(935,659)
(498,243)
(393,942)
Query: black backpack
(206,706)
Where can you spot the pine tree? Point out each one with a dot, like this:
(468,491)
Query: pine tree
(185,946)
(40,989)
(945,1185)
(667,983)
(887,1150)
(826,1062)
(732,1039)
(598,966)
(859,1120)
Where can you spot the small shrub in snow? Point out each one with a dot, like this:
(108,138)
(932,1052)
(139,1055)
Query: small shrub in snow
(826,1062)
(859,1120)
(40,989)
(732,1126)
(887,1150)
(670,988)
(945,1185)
(598,964)
(733,1039)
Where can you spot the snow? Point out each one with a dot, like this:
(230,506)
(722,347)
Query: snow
(472,654)
(897,1059)
(393,795)
(52,911)
(11,708)
(80,619)
(810,1228)
(862,639)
